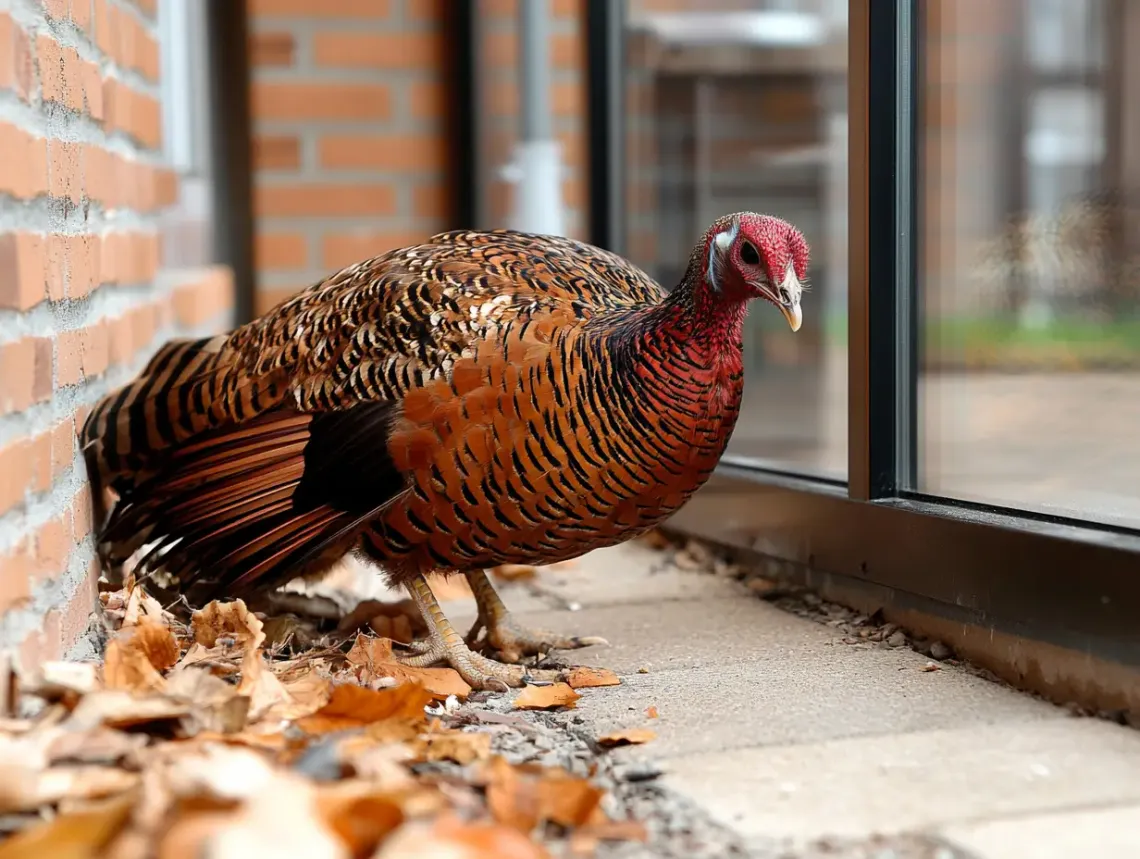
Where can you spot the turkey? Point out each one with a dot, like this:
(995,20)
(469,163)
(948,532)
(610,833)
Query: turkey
(483,398)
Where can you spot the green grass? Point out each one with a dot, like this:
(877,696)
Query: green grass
(997,342)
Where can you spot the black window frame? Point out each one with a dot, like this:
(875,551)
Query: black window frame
(1062,581)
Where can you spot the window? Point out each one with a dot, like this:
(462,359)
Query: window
(957,431)
(736,107)
(1031,357)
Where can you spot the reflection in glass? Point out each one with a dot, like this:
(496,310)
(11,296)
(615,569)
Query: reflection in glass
(1030,255)
(742,106)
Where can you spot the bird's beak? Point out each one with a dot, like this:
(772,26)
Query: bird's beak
(793,314)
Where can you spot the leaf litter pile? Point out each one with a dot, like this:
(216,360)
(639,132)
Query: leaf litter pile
(242,733)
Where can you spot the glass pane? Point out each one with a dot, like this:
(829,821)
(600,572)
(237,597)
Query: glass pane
(741,106)
(1030,255)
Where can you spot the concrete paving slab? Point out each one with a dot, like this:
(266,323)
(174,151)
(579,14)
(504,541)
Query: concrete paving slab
(906,782)
(1106,833)
(822,694)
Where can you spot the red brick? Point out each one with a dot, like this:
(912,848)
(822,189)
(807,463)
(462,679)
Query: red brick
(92,81)
(429,100)
(22,270)
(201,301)
(378,50)
(17,72)
(280,251)
(324,200)
(316,101)
(16,570)
(81,513)
(62,447)
(348,9)
(133,113)
(81,14)
(84,353)
(431,201)
(15,474)
(66,175)
(272,49)
(266,298)
(60,73)
(397,152)
(56,9)
(75,616)
(276,152)
(25,373)
(56,253)
(53,544)
(342,249)
(23,169)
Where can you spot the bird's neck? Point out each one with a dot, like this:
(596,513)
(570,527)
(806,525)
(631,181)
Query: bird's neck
(691,341)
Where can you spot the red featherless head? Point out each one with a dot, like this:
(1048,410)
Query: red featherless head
(748,256)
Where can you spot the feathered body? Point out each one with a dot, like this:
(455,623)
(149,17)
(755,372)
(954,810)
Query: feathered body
(479,399)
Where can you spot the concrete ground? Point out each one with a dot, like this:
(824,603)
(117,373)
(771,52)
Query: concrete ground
(807,742)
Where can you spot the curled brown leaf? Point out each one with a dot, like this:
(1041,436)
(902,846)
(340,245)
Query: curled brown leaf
(546,697)
(227,620)
(627,737)
(138,654)
(584,677)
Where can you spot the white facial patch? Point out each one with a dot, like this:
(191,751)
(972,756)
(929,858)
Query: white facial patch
(720,246)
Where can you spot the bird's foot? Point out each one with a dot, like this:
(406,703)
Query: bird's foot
(512,641)
(478,671)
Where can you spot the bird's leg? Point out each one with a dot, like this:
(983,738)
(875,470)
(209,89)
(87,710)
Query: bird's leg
(505,635)
(445,645)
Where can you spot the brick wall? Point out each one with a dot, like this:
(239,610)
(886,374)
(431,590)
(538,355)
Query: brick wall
(349,146)
(84,297)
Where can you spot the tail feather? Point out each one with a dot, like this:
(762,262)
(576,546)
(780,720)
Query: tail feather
(255,503)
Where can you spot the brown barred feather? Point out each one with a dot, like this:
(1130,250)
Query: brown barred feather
(481,398)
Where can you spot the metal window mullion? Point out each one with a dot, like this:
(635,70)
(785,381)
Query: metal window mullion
(882,298)
(605,98)
(462,35)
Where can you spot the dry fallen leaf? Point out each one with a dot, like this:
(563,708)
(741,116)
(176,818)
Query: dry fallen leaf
(451,838)
(215,705)
(278,819)
(651,712)
(138,654)
(514,572)
(117,708)
(272,699)
(546,697)
(226,620)
(140,605)
(359,816)
(288,630)
(105,746)
(527,795)
(463,747)
(584,677)
(25,789)
(351,706)
(61,681)
(372,660)
(78,834)
(627,737)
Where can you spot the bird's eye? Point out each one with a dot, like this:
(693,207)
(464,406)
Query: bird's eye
(749,255)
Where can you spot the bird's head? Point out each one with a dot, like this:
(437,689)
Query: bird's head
(748,256)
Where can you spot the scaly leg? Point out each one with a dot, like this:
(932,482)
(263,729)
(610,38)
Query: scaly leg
(445,645)
(507,637)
